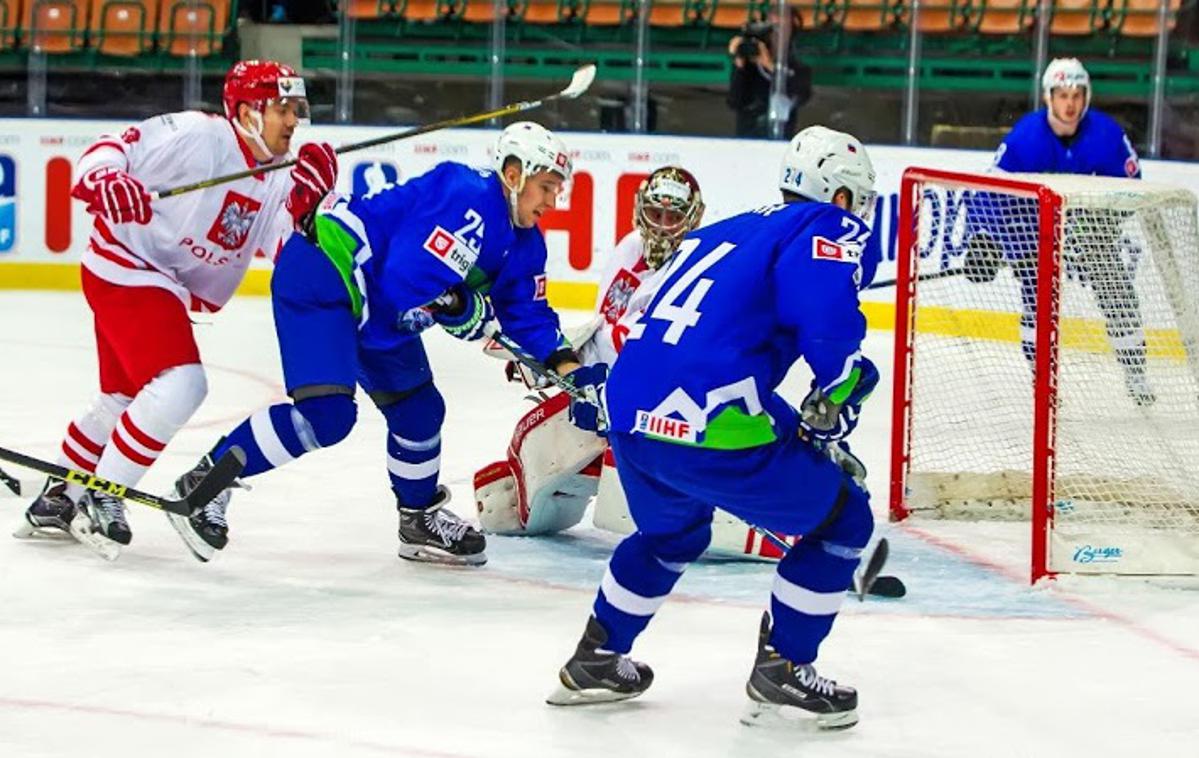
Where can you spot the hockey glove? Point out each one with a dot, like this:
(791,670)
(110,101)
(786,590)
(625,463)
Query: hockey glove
(982,259)
(114,195)
(314,175)
(463,312)
(833,416)
(585,410)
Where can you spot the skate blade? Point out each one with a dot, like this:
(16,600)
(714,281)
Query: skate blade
(775,716)
(563,695)
(430,554)
(27,531)
(85,534)
(200,549)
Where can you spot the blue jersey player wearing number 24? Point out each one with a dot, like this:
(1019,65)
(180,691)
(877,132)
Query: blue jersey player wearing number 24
(696,422)
(458,247)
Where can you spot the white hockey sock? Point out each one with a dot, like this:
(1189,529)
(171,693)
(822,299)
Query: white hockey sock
(161,408)
(87,435)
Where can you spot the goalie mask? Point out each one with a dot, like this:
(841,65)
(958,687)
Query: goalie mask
(819,161)
(260,85)
(668,205)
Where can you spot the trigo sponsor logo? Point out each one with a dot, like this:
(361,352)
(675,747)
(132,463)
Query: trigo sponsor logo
(1097,554)
(654,425)
(827,250)
(449,250)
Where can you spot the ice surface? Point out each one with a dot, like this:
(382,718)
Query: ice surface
(309,637)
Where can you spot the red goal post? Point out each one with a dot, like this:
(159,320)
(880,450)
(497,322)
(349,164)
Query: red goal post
(1062,386)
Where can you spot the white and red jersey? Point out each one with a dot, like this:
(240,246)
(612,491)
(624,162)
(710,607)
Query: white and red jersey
(624,271)
(197,245)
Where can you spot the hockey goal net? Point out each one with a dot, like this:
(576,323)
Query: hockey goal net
(1046,365)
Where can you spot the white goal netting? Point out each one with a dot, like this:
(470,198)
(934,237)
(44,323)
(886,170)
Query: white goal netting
(1124,450)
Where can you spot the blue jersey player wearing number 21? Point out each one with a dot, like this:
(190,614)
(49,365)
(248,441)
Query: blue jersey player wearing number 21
(696,422)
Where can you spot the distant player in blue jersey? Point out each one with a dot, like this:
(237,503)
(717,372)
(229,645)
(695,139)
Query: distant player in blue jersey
(696,422)
(351,298)
(1067,136)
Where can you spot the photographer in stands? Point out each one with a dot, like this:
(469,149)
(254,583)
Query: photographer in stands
(750,82)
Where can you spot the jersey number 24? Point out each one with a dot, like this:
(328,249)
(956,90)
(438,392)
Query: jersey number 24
(689,288)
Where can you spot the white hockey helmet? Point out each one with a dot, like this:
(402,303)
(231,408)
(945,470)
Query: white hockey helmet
(819,161)
(537,149)
(1066,72)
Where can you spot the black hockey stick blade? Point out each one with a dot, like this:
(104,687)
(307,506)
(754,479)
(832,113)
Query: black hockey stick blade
(11,482)
(224,472)
(885,585)
(874,567)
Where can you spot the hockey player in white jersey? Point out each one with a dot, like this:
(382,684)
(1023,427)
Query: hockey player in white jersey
(552,468)
(151,261)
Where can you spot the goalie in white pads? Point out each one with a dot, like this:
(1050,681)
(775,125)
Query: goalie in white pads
(553,468)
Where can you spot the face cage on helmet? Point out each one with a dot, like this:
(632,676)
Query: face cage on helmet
(661,241)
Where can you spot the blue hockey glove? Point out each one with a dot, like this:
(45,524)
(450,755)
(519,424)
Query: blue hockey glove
(463,312)
(585,412)
(833,416)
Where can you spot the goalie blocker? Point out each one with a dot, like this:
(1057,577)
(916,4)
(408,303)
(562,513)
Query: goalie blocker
(552,471)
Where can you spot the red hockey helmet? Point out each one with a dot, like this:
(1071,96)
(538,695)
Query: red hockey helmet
(259,83)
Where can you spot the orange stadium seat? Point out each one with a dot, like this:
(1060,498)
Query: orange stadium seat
(867,15)
(731,14)
(1077,17)
(1138,18)
(54,26)
(420,10)
(937,16)
(123,27)
(191,28)
(543,12)
(668,13)
(10,19)
(367,9)
(1006,16)
(813,13)
(607,12)
(477,11)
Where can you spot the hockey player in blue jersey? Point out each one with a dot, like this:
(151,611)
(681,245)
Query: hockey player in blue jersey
(1067,136)
(695,422)
(350,300)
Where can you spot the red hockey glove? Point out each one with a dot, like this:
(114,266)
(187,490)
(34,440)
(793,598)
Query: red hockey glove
(111,193)
(314,175)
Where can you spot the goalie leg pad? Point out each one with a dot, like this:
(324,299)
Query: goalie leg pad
(495,498)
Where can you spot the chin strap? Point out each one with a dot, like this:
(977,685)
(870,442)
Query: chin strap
(254,136)
(513,195)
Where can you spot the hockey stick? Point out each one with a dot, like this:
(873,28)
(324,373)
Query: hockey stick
(922,278)
(871,582)
(579,82)
(223,472)
(11,482)
(552,377)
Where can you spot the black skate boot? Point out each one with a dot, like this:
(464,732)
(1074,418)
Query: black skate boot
(781,691)
(49,515)
(595,675)
(436,535)
(107,514)
(205,531)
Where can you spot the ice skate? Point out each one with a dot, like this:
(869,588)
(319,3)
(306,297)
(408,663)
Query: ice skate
(205,531)
(100,525)
(437,535)
(782,692)
(595,675)
(50,515)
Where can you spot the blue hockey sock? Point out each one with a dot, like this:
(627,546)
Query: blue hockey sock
(812,579)
(281,433)
(642,572)
(414,445)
